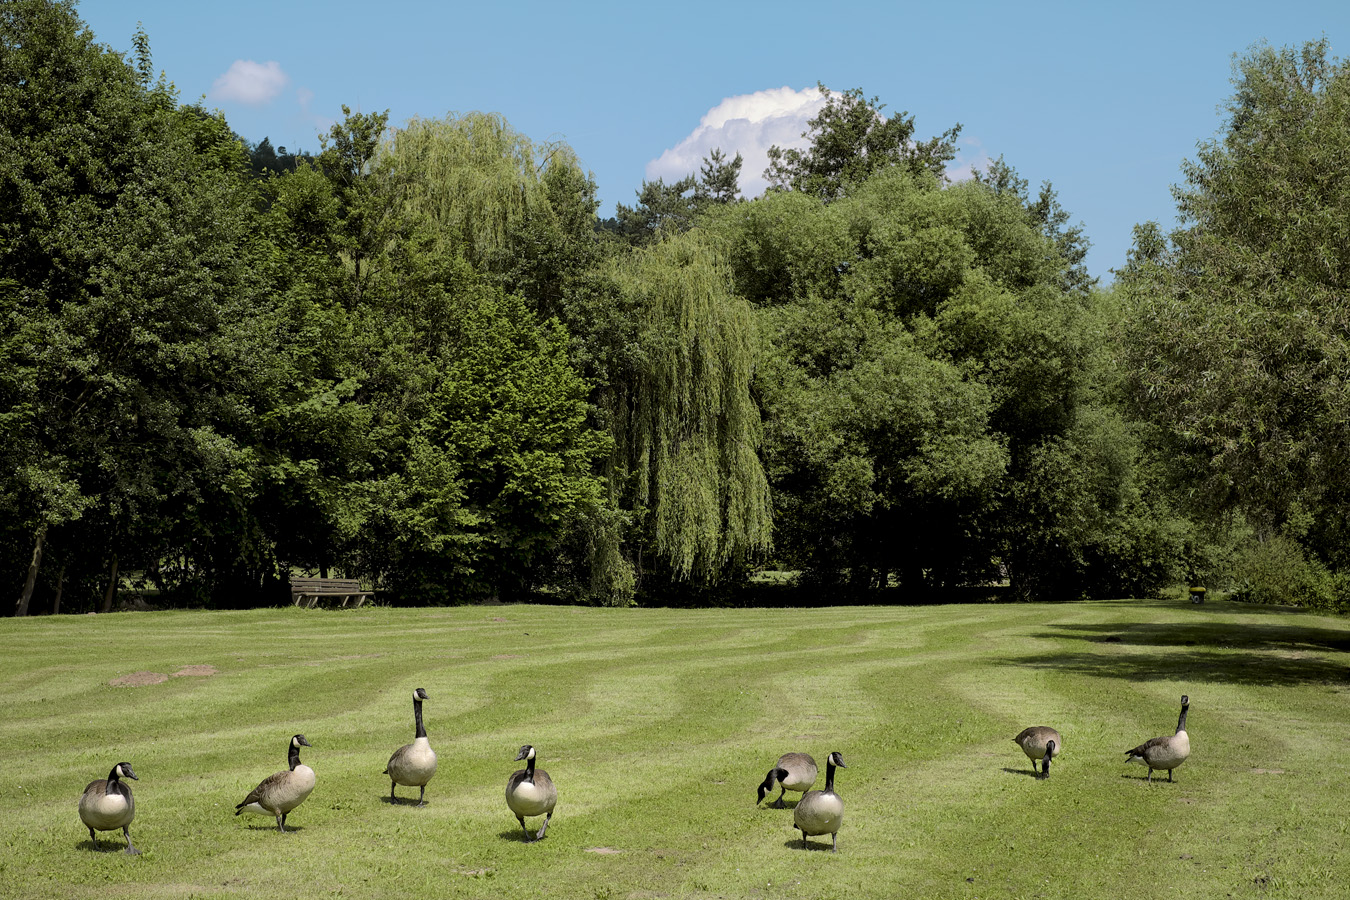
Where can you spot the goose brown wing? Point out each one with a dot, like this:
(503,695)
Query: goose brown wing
(257,793)
(1147,745)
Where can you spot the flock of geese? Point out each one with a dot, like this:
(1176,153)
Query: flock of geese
(107,804)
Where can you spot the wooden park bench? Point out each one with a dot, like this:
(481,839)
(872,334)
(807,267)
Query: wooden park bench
(307,592)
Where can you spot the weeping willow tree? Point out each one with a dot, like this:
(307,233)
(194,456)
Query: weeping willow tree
(475,178)
(687,431)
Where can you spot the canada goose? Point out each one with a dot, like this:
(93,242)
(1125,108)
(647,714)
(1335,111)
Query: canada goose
(1165,752)
(278,794)
(792,772)
(530,792)
(821,812)
(413,764)
(107,805)
(1040,742)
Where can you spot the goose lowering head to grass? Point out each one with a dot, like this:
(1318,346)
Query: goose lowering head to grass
(107,805)
(1165,752)
(412,765)
(276,795)
(821,812)
(792,772)
(1040,742)
(530,792)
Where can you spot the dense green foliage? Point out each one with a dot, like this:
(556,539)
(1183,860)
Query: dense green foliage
(1240,338)
(419,358)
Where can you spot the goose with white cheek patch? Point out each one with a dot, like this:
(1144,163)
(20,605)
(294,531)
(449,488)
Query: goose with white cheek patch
(107,805)
(1166,752)
(278,794)
(412,765)
(530,792)
(821,812)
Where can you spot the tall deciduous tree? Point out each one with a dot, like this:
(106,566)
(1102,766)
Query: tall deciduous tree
(1240,342)
(686,459)
(128,251)
(850,139)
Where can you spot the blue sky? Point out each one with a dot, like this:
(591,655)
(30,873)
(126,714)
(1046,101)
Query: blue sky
(1103,100)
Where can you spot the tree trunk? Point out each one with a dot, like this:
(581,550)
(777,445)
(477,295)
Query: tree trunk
(112,587)
(60,586)
(21,608)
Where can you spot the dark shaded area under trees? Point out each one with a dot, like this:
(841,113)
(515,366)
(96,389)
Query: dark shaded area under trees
(419,358)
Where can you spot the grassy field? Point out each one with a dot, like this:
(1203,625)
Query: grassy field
(657,726)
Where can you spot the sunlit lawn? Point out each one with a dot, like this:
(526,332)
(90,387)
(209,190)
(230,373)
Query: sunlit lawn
(657,725)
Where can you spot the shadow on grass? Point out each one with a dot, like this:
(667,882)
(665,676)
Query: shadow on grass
(515,834)
(1215,652)
(289,828)
(796,844)
(1026,772)
(403,801)
(105,846)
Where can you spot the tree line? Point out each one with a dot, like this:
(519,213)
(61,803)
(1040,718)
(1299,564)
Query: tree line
(419,357)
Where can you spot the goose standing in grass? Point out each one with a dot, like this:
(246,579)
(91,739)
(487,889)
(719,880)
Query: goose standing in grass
(792,772)
(278,794)
(412,765)
(107,805)
(1165,752)
(530,792)
(821,812)
(1040,742)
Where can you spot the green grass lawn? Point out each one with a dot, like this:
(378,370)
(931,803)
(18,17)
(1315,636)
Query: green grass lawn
(657,726)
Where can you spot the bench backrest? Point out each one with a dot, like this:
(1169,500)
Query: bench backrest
(325,585)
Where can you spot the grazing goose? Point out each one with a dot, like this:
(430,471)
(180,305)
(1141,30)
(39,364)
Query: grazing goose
(413,764)
(1040,742)
(530,792)
(278,794)
(821,812)
(792,772)
(1165,752)
(107,805)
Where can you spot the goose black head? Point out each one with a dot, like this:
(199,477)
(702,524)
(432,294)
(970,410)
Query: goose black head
(1185,701)
(123,770)
(420,694)
(299,741)
(1045,763)
(837,760)
(775,775)
(526,752)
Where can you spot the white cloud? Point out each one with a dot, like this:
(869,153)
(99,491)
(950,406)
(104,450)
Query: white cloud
(250,82)
(749,125)
(970,158)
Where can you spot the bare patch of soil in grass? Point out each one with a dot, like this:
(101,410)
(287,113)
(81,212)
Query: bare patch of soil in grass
(195,672)
(139,679)
(604,851)
(508,656)
(1267,771)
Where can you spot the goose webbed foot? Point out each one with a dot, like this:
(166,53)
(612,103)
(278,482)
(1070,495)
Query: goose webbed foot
(835,839)
(422,796)
(544,827)
(528,838)
(131,851)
